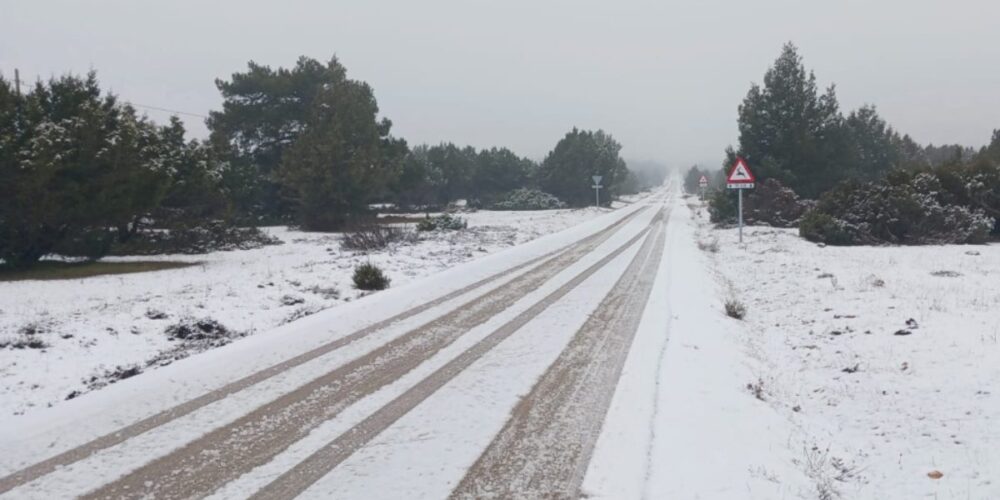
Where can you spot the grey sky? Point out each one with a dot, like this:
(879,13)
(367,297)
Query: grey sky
(664,77)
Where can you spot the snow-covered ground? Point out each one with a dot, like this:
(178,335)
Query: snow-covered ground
(51,430)
(681,423)
(883,363)
(863,372)
(94,326)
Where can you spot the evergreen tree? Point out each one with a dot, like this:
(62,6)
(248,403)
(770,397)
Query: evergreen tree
(75,163)
(419,182)
(788,131)
(991,153)
(692,180)
(498,171)
(875,147)
(567,170)
(195,192)
(264,111)
(457,167)
(344,157)
(911,155)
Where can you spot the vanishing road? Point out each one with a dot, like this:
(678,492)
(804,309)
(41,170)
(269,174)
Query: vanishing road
(497,389)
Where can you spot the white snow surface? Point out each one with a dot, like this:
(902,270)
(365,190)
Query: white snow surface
(94,325)
(426,453)
(846,408)
(681,423)
(51,430)
(868,413)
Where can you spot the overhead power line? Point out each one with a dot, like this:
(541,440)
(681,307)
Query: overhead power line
(18,83)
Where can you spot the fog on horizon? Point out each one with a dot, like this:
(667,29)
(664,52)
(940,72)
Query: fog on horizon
(665,78)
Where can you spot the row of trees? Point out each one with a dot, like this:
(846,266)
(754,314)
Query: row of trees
(307,142)
(873,184)
(78,170)
(81,171)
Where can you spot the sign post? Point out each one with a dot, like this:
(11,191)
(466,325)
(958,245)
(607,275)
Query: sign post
(703,183)
(597,189)
(740,178)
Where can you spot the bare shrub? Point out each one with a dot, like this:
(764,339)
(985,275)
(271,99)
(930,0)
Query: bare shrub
(735,309)
(375,237)
(711,246)
(757,389)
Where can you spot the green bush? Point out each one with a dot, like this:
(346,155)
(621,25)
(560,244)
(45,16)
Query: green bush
(527,199)
(722,206)
(822,228)
(769,203)
(442,222)
(368,276)
(902,210)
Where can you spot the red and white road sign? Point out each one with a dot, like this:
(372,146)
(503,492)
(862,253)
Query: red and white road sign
(703,181)
(740,177)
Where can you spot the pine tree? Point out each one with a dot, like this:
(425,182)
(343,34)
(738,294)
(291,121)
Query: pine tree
(264,112)
(875,147)
(75,163)
(344,158)
(568,169)
(788,131)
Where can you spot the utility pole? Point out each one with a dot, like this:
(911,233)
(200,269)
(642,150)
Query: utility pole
(17,82)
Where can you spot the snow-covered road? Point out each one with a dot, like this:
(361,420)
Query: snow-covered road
(492,379)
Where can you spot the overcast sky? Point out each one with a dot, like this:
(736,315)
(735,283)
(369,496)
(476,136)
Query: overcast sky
(664,77)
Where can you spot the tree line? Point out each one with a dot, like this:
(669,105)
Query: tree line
(82,172)
(851,178)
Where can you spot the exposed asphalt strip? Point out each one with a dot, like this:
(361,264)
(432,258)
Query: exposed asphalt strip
(106,441)
(299,478)
(202,466)
(544,449)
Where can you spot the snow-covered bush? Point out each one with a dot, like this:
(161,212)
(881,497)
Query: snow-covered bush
(368,276)
(210,237)
(821,227)
(735,309)
(906,212)
(442,222)
(376,237)
(527,199)
(190,329)
(770,203)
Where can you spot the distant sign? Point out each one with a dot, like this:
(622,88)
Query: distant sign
(703,181)
(740,177)
(597,179)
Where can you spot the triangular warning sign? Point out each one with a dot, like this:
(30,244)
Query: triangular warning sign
(740,174)
(703,180)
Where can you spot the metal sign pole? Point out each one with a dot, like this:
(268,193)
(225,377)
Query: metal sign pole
(741,214)
(597,189)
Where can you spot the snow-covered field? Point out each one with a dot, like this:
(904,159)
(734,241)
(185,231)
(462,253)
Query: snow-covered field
(883,362)
(863,372)
(98,325)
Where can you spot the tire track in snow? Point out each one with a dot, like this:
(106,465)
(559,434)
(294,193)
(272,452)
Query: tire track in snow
(225,453)
(544,449)
(299,478)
